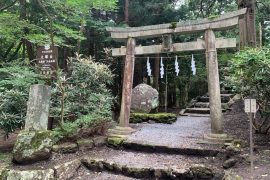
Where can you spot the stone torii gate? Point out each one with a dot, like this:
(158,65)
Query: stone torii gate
(210,45)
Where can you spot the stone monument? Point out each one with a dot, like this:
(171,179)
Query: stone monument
(35,142)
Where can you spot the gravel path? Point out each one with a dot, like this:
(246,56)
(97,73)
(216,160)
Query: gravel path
(186,132)
(150,160)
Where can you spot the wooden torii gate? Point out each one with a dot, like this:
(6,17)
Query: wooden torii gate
(210,45)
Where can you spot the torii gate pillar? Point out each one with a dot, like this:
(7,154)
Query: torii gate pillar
(214,88)
(127,85)
(213,82)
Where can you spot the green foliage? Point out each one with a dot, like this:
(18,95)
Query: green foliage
(88,101)
(15,81)
(67,130)
(29,22)
(250,71)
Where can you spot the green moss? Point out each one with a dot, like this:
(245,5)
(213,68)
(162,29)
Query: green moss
(173,25)
(4,157)
(212,17)
(166,118)
(3,173)
(39,138)
(115,141)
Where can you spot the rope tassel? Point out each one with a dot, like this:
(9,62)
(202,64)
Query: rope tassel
(177,70)
(161,68)
(193,66)
(149,71)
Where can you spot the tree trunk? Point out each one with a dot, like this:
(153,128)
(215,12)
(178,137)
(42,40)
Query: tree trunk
(248,24)
(127,11)
(156,72)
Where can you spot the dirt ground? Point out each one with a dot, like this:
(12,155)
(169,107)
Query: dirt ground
(236,123)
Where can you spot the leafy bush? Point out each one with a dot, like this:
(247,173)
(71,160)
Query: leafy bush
(15,81)
(87,100)
(250,72)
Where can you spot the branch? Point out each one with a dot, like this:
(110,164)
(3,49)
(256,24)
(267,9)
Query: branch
(16,51)
(8,6)
(8,50)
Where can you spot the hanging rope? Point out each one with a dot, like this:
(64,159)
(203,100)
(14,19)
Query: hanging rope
(149,71)
(193,65)
(177,70)
(152,57)
(161,68)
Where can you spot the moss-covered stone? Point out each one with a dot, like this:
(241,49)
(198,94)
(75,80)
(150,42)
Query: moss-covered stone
(115,141)
(201,172)
(67,147)
(165,118)
(32,146)
(3,173)
(85,144)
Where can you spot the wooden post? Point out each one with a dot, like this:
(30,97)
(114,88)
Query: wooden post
(213,83)
(127,83)
(156,72)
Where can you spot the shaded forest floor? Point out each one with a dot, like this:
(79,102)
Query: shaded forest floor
(236,124)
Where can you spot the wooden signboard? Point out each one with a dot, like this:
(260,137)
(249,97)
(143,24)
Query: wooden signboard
(47,58)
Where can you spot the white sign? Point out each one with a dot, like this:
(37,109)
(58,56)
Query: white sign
(250,106)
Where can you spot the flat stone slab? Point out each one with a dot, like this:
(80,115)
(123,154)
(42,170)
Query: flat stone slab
(149,166)
(85,174)
(185,134)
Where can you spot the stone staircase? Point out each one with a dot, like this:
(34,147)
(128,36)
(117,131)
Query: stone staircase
(200,107)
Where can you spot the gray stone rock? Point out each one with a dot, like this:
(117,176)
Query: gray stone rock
(231,176)
(229,163)
(232,151)
(85,144)
(31,175)
(38,107)
(67,170)
(3,171)
(99,141)
(67,147)
(144,99)
(201,172)
(32,146)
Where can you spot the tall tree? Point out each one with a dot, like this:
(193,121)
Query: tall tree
(248,25)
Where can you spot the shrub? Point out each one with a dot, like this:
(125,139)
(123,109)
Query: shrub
(88,101)
(15,81)
(250,72)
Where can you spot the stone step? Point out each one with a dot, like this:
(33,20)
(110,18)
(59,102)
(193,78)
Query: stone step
(86,174)
(225,98)
(188,150)
(195,115)
(200,110)
(153,166)
(207,105)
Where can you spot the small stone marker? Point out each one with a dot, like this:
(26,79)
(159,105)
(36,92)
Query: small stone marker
(250,106)
(38,107)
